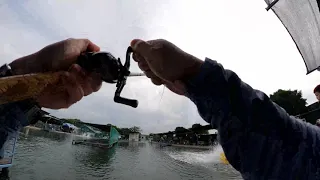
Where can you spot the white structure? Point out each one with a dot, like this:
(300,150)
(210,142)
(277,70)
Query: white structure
(134,136)
(143,137)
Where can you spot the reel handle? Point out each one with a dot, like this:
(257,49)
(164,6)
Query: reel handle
(129,102)
(112,71)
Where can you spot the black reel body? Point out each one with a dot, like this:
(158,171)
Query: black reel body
(111,71)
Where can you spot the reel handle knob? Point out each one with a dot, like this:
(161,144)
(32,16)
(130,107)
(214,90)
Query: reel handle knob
(129,102)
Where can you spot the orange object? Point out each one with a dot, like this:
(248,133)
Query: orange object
(223,158)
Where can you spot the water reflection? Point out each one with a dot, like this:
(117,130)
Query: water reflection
(94,161)
(95,157)
(55,136)
(42,155)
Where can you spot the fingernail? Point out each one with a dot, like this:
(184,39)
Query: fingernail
(77,67)
(134,43)
(81,71)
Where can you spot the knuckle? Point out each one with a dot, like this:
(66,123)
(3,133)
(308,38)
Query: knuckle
(67,105)
(70,39)
(85,40)
(96,88)
(156,81)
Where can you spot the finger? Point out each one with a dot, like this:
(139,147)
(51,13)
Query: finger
(89,46)
(74,90)
(143,66)
(96,82)
(157,81)
(81,78)
(76,69)
(149,74)
(141,47)
(136,57)
(90,82)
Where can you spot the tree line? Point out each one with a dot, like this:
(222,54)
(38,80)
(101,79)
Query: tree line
(182,130)
(290,100)
(122,131)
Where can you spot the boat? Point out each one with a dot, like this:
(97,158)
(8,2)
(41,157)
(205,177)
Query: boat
(67,127)
(165,144)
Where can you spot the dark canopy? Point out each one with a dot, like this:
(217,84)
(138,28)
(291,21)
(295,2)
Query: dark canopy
(301,18)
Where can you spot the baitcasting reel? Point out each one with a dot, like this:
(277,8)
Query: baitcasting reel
(111,71)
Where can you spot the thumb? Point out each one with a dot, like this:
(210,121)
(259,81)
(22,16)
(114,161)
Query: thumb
(141,47)
(177,87)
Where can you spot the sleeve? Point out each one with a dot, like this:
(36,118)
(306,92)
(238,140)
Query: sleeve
(258,137)
(14,116)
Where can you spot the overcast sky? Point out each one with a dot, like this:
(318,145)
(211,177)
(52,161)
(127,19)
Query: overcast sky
(243,36)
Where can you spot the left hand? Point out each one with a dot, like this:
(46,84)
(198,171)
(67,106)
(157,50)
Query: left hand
(74,82)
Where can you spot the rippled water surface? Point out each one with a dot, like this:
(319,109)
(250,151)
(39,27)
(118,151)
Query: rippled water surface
(44,156)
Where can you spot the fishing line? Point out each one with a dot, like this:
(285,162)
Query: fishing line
(162,94)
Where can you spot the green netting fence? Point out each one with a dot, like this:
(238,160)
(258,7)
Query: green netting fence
(114,136)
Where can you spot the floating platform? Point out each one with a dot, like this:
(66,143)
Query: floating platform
(165,144)
(102,139)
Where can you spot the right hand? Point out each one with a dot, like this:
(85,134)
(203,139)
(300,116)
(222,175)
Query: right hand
(164,63)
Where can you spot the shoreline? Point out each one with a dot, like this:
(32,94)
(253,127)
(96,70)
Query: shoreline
(31,127)
(126,141)
(187,146)
(26,129)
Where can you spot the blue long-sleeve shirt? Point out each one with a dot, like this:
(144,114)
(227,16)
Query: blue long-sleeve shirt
(259,138)
(12,118)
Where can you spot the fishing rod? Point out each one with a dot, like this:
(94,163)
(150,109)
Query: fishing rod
(111,70)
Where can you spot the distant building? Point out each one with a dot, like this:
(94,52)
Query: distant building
(150,137)
(134,136)
(143,137)
(313,113)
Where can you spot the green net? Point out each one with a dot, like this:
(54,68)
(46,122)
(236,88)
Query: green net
(114,136)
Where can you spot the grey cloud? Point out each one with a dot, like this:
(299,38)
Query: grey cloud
(110,24)
(211,28)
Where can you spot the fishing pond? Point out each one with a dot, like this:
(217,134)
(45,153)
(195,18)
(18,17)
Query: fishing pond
(42,155)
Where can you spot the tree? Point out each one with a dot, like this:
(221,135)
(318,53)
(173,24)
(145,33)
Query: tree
(125,131)
(75,122)
(198,128)
(290,100)
(180,130)
(195,126)
(135,129)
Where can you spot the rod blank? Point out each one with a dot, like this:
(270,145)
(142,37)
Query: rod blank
(136,74)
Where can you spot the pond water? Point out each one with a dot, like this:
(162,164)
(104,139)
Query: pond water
(42,155)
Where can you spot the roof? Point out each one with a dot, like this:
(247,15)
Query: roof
(91,129)
(44,112)
(301,18)
(105,128)
(134,133)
